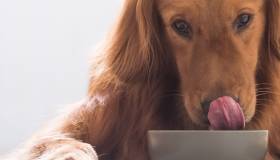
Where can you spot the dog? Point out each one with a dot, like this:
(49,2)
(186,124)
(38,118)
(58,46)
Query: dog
(174,65)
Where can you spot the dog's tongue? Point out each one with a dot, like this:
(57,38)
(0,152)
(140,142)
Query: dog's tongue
(226,114)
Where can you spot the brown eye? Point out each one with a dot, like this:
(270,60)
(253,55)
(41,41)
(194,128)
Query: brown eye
(242,21)
(183,28)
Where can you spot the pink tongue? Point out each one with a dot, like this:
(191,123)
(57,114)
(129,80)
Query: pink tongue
(226,114)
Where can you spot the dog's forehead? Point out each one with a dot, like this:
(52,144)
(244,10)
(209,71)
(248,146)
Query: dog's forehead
(211,5)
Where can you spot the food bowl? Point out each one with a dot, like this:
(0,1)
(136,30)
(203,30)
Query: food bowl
(208,145)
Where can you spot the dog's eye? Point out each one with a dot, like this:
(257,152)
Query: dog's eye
(242,21)
(182,28)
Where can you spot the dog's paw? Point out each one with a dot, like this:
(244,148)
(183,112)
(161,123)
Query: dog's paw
(269,156)
(77,151)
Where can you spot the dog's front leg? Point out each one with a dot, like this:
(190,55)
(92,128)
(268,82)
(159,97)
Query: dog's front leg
(60,148)
(66,138)
(270,157)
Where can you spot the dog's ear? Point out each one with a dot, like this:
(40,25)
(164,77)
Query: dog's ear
(273,27)
(136,50)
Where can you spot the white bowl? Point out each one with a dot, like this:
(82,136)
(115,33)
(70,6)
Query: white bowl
(208,145)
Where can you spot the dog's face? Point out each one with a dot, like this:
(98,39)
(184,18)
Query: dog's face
(216,45)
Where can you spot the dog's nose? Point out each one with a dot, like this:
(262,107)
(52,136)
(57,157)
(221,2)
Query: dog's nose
(205,106)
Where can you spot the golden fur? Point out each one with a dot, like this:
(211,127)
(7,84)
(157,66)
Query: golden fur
(148,74)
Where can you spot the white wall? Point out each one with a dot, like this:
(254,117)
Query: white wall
(44,54)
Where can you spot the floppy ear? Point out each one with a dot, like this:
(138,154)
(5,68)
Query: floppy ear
(136,51)
(273,27)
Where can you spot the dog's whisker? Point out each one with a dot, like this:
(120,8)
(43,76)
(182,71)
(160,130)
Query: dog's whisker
(264,88)
(273,93)
(262,94)
(260,90)
(264,84)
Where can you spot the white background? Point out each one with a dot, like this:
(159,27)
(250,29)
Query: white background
(45,47)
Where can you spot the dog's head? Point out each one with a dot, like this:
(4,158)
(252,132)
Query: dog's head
(216,46)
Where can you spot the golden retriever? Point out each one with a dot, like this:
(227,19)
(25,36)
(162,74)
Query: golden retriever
(174,65)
